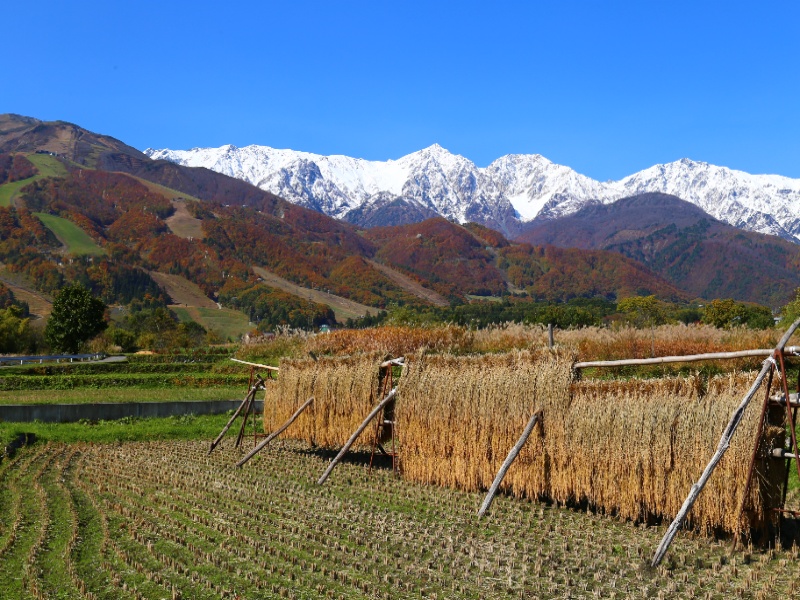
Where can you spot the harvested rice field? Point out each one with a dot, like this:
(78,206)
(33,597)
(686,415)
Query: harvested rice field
(167,520)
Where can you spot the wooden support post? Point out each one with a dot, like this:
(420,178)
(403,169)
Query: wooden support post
(550,340)
(244,403)
(276,433)
(512,456)
(357,433)
(248,408)
(724,443)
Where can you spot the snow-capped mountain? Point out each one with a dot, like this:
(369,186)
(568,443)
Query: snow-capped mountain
(511,191)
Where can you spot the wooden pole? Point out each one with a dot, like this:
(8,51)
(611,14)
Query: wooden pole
(252,364)
(724,443)
(355,435)
(487,502)
(550,340)
(246,412)
(687,358)
(276,433)
(244,403)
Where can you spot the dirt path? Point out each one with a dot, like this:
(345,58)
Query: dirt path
(182,291)
(39,305)
(183,224)
(409,285)
(342,307)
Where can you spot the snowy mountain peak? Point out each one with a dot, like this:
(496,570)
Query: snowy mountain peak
(512,190)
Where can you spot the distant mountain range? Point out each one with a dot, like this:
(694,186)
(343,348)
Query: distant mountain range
(649,243)
(508,195)
(234,240)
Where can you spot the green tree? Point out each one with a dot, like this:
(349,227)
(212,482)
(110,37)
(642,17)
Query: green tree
(77,316)
(643,311)
(723,313)
(791,312)
(728,313)
(14,329)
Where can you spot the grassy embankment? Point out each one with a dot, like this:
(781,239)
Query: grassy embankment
(191,304)
(155,378)
(187,427)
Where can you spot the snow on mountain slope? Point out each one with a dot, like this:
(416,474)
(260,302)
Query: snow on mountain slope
(513,189)
(763,203)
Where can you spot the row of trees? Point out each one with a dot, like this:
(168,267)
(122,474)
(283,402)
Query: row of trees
(79,316)
(638,311)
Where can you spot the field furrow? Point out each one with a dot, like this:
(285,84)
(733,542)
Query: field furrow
(157,520)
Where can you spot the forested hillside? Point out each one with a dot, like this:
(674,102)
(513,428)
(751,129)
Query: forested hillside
(236,227)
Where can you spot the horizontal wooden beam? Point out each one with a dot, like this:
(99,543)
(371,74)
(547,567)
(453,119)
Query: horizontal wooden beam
(395,362)
(676,359)
(252,364)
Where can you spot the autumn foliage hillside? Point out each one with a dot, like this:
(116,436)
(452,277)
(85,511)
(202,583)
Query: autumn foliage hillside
(127,218)
(244,227)
(552,273)
(15,167)
(453,260)
(684,245)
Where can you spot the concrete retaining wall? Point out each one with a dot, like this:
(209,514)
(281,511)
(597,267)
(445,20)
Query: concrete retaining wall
(69,413)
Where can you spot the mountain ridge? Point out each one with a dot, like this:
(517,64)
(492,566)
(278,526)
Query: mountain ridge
(510,192)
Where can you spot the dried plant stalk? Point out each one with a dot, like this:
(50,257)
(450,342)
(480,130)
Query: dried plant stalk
(343,390)
(631,448)
(458,416)
(644,443)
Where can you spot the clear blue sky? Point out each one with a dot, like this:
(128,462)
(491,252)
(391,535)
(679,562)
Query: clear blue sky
(607,88)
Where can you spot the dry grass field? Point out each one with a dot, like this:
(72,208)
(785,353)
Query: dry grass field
(39,305)
(183,291)
(589,343)
(409,285)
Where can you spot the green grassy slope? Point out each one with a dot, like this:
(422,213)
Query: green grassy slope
(48,166)
(73,237)
(225,322)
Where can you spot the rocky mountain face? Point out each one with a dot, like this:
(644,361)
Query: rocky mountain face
(511,192)
(683,244)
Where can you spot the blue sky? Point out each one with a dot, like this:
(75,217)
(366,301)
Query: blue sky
(607,88)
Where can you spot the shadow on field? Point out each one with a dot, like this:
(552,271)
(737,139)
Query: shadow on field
(790,532)
(354,457)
